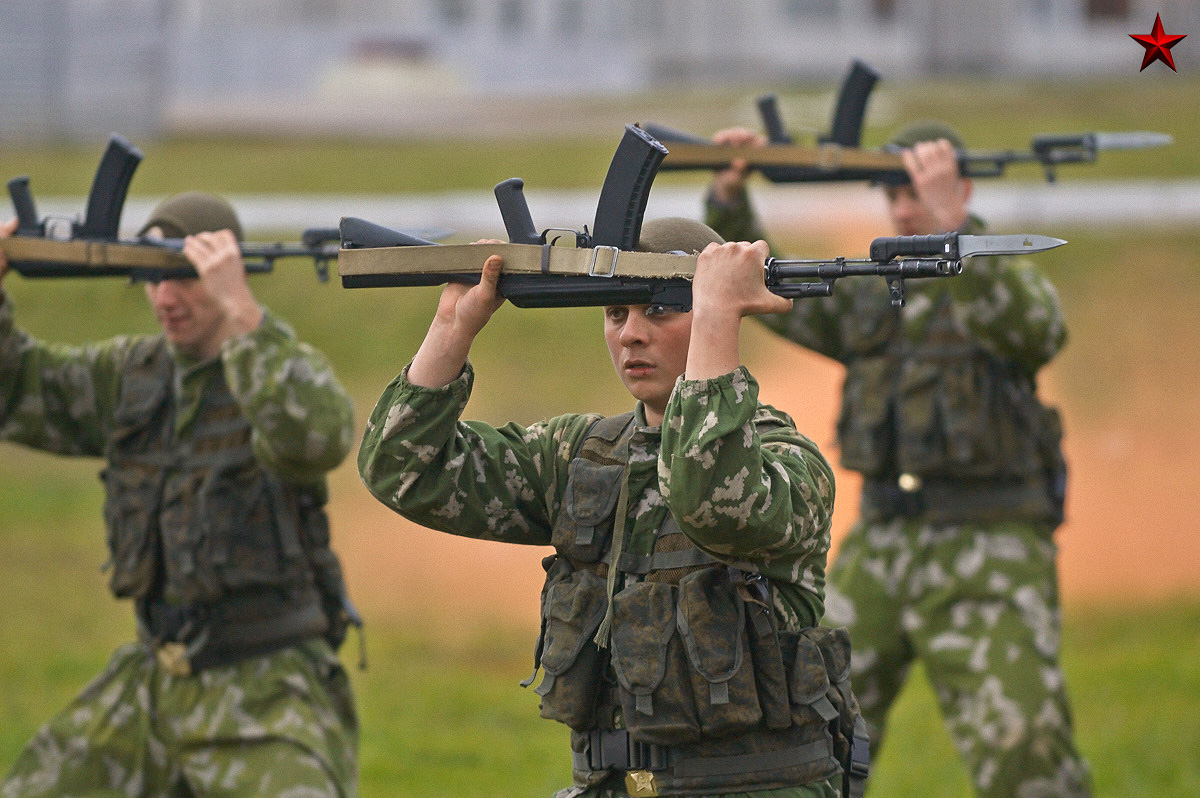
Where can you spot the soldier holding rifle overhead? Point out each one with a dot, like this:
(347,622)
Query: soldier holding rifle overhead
(679,633)
(217,435)
(953,559)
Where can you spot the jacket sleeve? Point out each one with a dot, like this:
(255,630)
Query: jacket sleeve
(301,418)
(812,323)
(54,397)
(743,483)
(1010,308)
(465,478)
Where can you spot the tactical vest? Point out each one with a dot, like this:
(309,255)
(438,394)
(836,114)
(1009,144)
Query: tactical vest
(698,691)
(951,424)
(220,555)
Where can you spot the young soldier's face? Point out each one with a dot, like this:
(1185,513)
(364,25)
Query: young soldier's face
(189,315)
(649,351)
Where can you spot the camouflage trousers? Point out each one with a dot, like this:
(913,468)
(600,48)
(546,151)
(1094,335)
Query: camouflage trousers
(282,724)
(978,605)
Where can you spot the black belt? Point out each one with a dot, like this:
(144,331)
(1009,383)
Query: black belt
(954,500)
(199,635)
(614,749)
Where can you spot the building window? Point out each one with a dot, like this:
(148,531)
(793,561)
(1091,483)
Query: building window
(512,15)
(454,12)
(570,16)
(807,10)
(1110,10)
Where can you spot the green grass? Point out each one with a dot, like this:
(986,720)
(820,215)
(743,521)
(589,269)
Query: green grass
(990,115)
(444,715)
(447,717)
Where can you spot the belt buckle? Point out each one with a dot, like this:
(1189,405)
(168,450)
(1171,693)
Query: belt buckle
(640,782)
(172,658)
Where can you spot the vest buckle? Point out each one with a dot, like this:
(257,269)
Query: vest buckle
(640,782)
(172,658)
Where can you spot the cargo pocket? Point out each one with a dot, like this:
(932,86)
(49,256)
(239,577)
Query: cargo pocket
(920,437)
(582,530)
(712,622)
(864,428)
(809,686)
(965,398)
(252,535)
(651,666)
(840,708)
(130,510)
(571,612)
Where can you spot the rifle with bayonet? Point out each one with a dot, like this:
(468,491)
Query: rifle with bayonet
(603,267)
(62,247)
(838,156)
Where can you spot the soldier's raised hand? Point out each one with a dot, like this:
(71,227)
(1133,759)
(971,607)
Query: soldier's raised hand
(728,184)
(6,230)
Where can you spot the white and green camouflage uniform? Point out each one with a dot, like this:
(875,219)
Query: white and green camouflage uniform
(741,482)
(963,578)
(279,723)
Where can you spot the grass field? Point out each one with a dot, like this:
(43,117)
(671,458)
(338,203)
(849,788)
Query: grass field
(441,709)
(444,715)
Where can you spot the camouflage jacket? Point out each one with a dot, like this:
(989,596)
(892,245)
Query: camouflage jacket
(61,399)
(214,478)
(742,483)
(943,386)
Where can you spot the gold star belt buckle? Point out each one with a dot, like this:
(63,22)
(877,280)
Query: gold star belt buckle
(172,658)
(640,782)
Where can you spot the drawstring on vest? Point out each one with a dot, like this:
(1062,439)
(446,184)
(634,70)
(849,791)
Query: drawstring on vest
(618,543)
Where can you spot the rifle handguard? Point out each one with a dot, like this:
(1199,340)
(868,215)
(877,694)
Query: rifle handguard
(942,245)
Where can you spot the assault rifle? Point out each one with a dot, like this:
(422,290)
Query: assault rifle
(62,247)
(838,156)
(604,268)
(845,129)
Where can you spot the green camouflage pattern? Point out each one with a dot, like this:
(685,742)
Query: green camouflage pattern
(977,602)
(978,605)
(64,399)
(1002,303)
(281,724)
(61,398)
(739,481)
(743,484)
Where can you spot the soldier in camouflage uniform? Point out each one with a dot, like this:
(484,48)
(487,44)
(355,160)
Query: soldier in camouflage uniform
(217,436)
(953,560)
(679,644)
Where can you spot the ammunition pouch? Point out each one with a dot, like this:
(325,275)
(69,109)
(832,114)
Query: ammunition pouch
(698,691)
(202,526)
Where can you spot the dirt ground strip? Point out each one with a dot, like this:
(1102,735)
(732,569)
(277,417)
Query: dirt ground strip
(1130,532)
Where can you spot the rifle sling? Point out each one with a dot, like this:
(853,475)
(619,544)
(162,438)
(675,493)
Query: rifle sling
(94,254)
(518,259)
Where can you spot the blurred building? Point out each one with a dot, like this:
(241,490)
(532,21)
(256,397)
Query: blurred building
(78,68)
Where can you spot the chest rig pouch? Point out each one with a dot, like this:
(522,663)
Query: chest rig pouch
(197,522)
(694,668)
(941,407)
